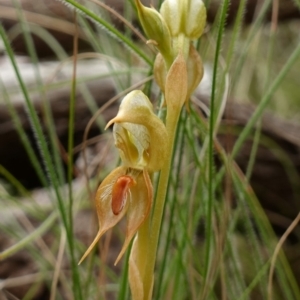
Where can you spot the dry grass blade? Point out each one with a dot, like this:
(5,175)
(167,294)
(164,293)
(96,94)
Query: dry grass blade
(276,252)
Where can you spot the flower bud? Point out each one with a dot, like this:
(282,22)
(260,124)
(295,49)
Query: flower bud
(171,11)
(156,29)
(184,16)
(194,19)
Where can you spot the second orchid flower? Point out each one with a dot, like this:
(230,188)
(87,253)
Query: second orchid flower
(141,139)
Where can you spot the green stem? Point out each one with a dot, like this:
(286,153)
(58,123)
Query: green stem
(171,124)
(123,286)
(208,231)
(143,239)
(173,205)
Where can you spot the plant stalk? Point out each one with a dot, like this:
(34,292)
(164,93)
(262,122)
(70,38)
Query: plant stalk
(171,125)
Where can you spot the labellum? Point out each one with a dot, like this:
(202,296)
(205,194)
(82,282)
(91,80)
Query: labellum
(120,192)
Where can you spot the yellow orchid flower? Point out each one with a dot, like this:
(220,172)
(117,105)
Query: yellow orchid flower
(141,138)
(123,191)
(140,135)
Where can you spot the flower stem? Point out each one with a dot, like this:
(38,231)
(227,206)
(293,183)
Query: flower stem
(171,124)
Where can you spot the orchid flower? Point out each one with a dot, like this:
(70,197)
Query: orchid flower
(141,139)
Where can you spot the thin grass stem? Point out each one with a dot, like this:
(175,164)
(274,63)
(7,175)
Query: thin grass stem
(208,232)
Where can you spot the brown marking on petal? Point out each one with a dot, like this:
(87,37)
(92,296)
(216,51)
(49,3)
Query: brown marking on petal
(119,193)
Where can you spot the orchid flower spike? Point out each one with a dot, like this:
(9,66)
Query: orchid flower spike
(141,138)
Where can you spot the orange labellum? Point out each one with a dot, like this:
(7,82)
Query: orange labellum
(119,192)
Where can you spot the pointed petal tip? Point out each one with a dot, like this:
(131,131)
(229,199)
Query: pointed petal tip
(90,248)
(120,256)
(82,259)
(124,248)
(87,252)
(108,124)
